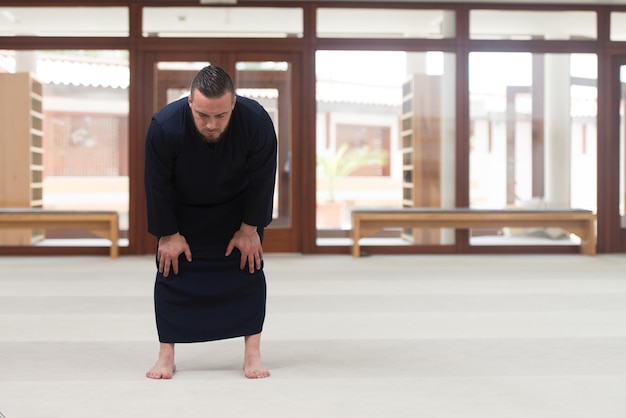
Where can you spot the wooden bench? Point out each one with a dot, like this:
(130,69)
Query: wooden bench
(579,222)
(104,224)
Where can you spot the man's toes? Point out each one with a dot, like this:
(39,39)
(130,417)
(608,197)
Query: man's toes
(154,374)
(257,374)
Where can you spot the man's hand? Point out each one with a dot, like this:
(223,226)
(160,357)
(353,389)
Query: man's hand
(170,247)
(247,240)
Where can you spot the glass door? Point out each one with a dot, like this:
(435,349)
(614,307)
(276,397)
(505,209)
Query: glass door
(269,82)
(266,80)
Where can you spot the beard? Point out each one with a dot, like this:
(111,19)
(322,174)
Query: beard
(212,137)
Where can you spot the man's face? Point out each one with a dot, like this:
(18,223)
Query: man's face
(211,115)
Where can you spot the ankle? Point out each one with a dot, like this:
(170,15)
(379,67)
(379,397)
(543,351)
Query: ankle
(252,353)
(166,350)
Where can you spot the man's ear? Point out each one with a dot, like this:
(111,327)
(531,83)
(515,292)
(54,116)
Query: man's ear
(232,106)
(189,100)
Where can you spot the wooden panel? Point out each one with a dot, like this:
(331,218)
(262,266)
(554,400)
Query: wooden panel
(21,148)
(421,148)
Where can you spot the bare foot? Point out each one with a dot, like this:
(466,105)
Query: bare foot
(253,367)
(164,367)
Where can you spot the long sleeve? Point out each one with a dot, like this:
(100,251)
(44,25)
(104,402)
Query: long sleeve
(204,191)
(261,160)
(158,178)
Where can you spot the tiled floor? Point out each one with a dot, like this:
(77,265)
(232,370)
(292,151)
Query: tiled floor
(383,336)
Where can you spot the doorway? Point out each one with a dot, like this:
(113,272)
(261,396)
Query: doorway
(270,81)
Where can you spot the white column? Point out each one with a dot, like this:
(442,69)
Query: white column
(557,124)
(26,62)
(448,126)
(415,63)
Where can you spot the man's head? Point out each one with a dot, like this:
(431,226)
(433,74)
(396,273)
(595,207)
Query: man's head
(212,100)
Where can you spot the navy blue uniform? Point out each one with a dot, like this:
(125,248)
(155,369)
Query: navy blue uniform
(205,191)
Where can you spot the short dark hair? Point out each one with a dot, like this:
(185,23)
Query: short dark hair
(213,81)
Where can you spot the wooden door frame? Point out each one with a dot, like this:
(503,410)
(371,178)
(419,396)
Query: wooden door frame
(279,80)
(277,239)
(611,234)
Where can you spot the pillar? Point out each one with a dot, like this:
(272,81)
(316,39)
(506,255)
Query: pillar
(557,125)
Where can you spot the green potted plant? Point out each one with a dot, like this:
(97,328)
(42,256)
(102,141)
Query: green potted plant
(333,165)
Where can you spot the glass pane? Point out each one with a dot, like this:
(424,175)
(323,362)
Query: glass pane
(223,22)
(173,80)
(385,138)
(618,26)
(522,25)
(622,144)
(525,152)
(385,23)
(78,137)
(269,83)
(64,21)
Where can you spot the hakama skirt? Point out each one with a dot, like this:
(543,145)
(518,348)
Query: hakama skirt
(209,299)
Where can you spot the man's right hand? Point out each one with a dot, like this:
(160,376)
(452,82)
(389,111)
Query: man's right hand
(170,247)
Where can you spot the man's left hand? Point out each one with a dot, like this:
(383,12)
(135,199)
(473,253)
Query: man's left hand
(247,240)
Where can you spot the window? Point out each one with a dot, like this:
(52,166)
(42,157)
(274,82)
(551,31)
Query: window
(84,126)
(223,22)
(385,137)
(618,26)
(526,25)
(384,23)
(525,150)
(64,21)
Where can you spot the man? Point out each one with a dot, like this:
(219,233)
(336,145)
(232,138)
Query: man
(209,177)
